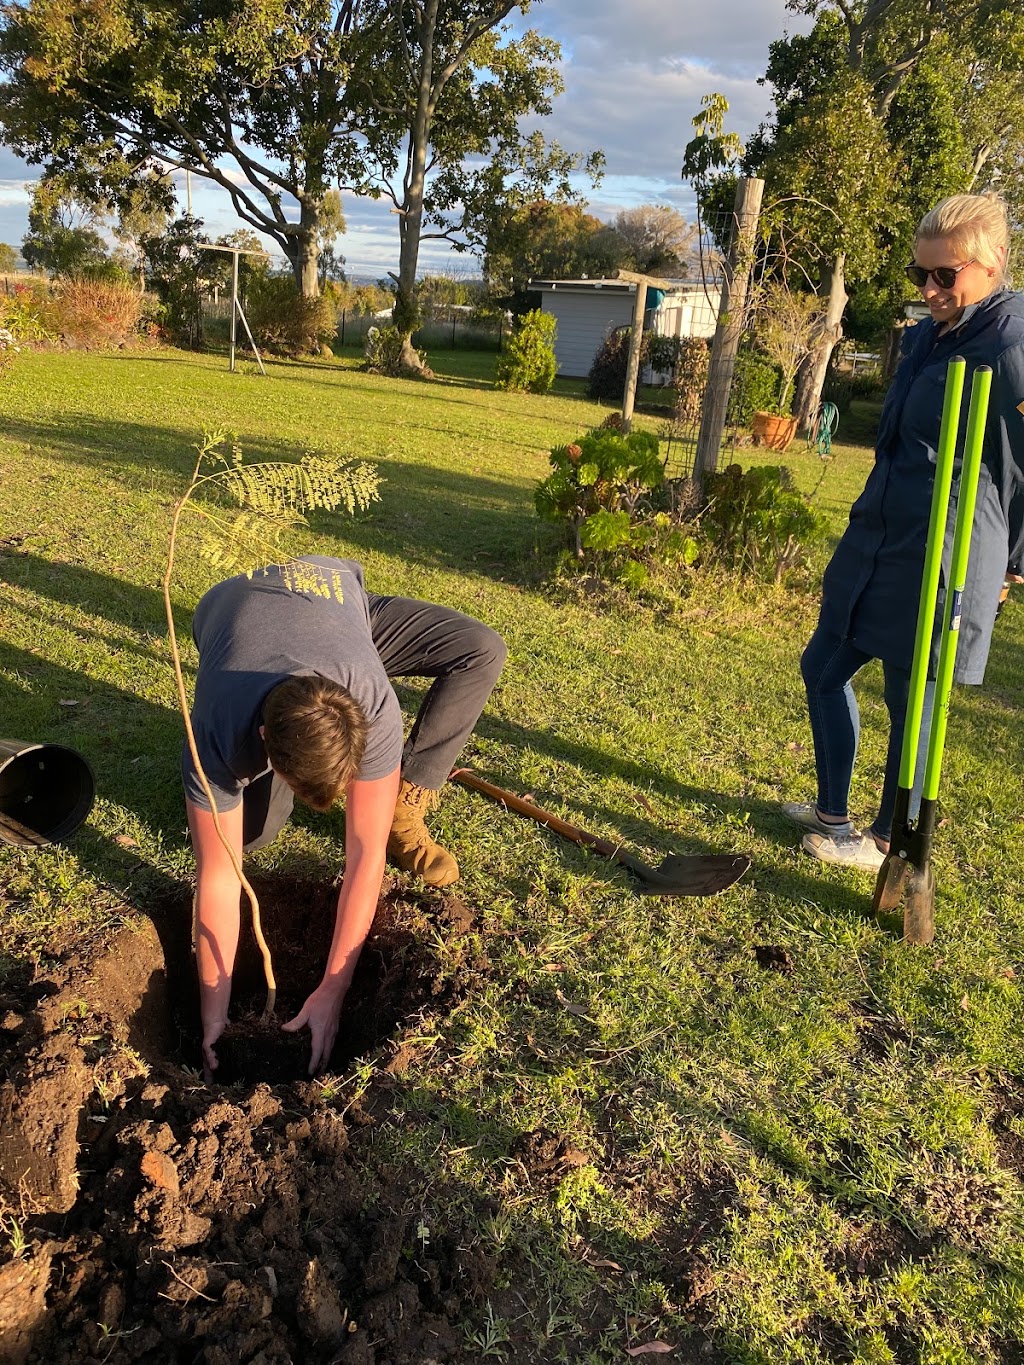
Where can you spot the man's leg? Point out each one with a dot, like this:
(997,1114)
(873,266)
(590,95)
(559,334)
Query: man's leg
(464,657)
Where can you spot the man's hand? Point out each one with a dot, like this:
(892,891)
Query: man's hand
(211,1033)
(320,1015)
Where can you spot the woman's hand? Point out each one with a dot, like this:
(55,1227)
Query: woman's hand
(320,1015)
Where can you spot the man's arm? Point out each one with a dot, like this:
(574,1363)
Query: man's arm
(369,811)
(218,893)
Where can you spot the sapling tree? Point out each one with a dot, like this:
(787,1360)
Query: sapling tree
(244,511)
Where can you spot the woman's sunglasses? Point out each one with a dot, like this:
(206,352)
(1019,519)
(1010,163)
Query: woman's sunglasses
(943,275)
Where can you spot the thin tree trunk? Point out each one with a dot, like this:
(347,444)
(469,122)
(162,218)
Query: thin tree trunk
(811,378)
(410,220)
(729,328)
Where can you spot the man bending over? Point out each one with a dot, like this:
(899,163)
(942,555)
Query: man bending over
(293,698)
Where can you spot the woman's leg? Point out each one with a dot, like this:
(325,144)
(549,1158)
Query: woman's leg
(827,665)
(897,694)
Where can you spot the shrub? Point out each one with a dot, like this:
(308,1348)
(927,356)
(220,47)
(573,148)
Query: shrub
(25,312)
(607,377)
(604,489)
(92,311)
(663,353)
(758,521)
(285,322)
(9,348)
(527,360)
(383,350)
(755,387)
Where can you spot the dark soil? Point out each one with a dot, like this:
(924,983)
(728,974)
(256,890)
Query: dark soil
(168,1220)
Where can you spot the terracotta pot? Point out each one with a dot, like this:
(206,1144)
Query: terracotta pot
(773,431)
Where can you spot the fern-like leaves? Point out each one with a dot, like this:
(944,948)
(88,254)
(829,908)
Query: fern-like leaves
(274,497)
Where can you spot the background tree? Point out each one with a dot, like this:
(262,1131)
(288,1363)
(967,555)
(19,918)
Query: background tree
(281,102)
(8,259)
(143,211)
(449,89)
(546,240)
(330,262)
(179,272)
(63,235)
(248,96)
(909,82)
(658,239)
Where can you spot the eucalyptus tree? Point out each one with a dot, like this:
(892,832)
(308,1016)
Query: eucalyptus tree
(280,101)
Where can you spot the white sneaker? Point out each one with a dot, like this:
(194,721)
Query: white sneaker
(805,814)
(845,850)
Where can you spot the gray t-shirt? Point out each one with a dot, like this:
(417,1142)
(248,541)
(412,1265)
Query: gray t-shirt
(253,633)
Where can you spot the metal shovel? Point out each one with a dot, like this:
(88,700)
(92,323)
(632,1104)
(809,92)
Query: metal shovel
(680,874)
(906,875)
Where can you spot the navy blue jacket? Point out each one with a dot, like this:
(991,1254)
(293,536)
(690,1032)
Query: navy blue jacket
(873,583)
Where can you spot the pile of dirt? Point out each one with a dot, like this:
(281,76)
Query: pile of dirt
(154,1218)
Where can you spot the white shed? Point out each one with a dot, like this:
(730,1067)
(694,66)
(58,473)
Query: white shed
(586,310)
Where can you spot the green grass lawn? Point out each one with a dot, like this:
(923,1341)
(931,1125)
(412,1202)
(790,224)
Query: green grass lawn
(801,1136)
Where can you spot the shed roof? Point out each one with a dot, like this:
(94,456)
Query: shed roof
(611,286)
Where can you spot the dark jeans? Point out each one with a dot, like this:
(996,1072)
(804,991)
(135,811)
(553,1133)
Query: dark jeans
(416,640)
(827,665)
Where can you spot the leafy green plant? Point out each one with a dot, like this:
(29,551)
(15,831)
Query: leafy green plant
(245,511)
(603,489)
(663,353)
(758,520)
(527,360)
(25,312)
(383,350)
(755,385)
(787,325)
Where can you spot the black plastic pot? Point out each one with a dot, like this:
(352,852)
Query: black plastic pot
(46,791)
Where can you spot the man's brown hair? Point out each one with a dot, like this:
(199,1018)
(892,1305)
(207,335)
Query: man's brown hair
(314,732)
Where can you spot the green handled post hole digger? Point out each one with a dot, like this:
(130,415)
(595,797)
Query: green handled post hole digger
(906,877)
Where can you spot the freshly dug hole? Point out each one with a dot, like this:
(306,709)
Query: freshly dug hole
(224,1223)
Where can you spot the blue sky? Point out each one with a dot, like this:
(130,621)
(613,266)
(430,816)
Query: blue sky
(634,79)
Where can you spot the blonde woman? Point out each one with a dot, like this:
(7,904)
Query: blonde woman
(872,585)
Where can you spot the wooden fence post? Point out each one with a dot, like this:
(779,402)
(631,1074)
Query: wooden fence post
(746,211)
(636,337)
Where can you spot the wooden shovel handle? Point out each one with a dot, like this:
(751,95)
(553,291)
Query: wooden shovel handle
(468,778)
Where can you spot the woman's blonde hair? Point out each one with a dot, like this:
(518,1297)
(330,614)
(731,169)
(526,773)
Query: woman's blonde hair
(976,223)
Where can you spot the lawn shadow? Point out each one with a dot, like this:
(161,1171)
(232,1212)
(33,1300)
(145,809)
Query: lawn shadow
(427,516)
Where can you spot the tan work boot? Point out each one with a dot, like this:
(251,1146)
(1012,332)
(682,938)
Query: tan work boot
(410,846)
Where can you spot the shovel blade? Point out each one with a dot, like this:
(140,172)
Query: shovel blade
(903,886)
(693,874)
(919,906)
(891,883)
